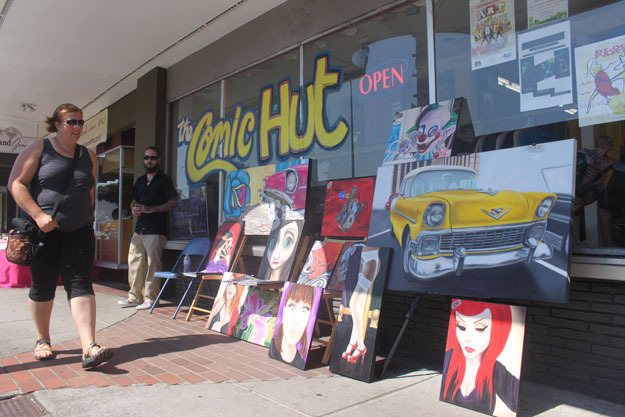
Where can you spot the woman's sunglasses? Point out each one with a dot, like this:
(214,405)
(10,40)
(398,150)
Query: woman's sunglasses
(149,158)
(74,122)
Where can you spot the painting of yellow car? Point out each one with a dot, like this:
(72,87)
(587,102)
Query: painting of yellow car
(445,224)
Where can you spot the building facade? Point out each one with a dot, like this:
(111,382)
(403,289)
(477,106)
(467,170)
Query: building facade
(323,80)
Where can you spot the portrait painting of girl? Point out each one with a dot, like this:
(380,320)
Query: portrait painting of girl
(227,305)
(295,324)
(225,245)
(483,357)
(359,314)
(280,250)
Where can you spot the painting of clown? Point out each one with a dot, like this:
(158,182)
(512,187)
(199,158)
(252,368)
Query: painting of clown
(423,133)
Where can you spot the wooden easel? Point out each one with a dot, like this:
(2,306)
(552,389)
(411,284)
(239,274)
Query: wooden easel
(206,277)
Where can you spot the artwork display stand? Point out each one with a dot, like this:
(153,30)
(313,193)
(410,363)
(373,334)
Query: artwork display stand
(407,318)
(328,300)
(205,278)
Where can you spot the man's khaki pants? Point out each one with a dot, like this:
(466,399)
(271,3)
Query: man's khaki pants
(144,259)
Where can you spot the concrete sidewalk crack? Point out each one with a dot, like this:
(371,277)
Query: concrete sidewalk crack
(377,397)
(265,397)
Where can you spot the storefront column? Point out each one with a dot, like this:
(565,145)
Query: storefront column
(151,107)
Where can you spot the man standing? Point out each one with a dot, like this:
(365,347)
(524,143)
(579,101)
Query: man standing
(153,195)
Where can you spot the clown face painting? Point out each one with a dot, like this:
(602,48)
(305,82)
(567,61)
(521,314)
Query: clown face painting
(426,132)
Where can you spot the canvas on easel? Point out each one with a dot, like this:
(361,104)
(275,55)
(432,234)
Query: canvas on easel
(224,248)
(355,344)
(347,207)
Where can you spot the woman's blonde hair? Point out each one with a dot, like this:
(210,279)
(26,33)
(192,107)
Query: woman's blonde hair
(56,116)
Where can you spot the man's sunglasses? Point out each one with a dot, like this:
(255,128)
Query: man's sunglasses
(150,158)
(74,122)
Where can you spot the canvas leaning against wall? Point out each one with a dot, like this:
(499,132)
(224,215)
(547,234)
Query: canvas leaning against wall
(280,250)
(227,304)
(355,344)
(492,224)
(347,208)
(256,194)
(483,357)
(258,316)
(295,324)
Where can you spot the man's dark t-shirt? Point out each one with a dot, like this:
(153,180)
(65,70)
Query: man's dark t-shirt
(155,193)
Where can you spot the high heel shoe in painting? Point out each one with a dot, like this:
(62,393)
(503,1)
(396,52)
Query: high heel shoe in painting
(359,353)
(349,350)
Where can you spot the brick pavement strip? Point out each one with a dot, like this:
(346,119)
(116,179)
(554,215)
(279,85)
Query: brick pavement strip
(150,349)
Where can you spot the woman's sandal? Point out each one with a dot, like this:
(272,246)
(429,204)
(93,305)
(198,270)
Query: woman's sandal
(101,355)
(43,350)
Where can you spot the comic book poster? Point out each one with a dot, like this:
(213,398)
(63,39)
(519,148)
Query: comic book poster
(600,72)
(493,35)
(422,133)
(545,67)
(347,207)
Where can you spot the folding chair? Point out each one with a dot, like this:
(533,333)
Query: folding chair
(197,249)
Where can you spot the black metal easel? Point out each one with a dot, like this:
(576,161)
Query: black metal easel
(407,317)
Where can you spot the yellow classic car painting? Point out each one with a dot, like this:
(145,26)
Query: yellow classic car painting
(445,224)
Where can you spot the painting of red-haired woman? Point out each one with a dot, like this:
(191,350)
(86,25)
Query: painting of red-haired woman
(483,357)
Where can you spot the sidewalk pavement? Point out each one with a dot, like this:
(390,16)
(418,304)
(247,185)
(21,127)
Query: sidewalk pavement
(172,367)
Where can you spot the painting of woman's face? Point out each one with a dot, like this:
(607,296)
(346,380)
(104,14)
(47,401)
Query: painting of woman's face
(225,248)
(231,291)
(281,248)
(473,333)
(295,318)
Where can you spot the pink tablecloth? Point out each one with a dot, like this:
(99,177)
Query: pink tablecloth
(11,275)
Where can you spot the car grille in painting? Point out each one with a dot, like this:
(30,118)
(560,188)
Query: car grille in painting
(484,239)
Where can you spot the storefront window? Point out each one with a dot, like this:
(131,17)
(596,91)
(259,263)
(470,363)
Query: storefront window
(186,113)
(383,61)
(538,71)
(243,93)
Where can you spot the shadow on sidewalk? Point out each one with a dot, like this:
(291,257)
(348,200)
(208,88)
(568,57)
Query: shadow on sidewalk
(155,347)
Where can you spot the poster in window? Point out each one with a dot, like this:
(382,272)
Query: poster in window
(600,72)
(545,67)
(540,12)
(493,33)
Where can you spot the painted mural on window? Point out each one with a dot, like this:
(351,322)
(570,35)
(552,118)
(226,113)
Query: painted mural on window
(289,122)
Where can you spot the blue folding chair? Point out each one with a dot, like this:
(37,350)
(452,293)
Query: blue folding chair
(197,250)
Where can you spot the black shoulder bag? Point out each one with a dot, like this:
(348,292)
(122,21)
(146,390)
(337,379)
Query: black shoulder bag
(26,240)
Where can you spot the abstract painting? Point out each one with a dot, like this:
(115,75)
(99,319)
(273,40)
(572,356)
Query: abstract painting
(483,357)
(295,324)
(258,316)
(347,208)
(355,345)
(320,263)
